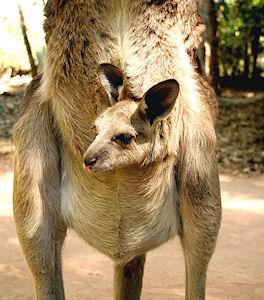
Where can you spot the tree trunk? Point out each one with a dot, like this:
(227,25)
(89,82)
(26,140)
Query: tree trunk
(246,57)
(26,41)
(214,69)
(255,50)
(208,12)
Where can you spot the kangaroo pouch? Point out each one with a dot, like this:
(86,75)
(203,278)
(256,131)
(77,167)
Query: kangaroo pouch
(122,214)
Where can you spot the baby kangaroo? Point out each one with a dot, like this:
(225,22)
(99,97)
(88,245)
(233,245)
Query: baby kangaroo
(141,145)
(126,131)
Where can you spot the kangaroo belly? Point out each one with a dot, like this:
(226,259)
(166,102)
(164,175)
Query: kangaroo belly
(120,224)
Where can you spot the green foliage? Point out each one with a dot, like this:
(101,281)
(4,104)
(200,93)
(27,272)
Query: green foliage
(241,31)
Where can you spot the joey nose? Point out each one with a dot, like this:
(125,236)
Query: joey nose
(90,161)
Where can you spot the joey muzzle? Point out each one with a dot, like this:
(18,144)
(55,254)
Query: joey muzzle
(89,161)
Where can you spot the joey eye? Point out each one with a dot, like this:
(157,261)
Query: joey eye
(124,139)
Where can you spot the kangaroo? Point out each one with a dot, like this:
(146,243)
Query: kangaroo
(150,171)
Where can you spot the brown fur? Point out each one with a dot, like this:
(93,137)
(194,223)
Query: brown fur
(176,189)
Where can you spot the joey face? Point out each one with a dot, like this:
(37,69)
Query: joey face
(124,130)
(121,139)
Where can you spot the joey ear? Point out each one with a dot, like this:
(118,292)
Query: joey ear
(159,100)
(113,80)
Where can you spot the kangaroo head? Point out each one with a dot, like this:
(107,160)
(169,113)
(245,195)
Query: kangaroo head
(124,130)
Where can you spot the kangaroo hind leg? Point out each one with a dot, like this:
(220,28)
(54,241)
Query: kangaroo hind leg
(36,197)
(128,279)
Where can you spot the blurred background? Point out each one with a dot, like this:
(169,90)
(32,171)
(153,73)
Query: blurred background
(232,60)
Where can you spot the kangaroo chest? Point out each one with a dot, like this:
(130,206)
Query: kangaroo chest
(121,215)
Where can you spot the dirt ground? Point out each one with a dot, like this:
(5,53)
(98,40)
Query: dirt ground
(236,270)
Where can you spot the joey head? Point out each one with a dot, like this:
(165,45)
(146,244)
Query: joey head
(125,129)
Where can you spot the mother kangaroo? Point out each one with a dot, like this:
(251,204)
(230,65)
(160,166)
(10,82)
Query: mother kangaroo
(121,93)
